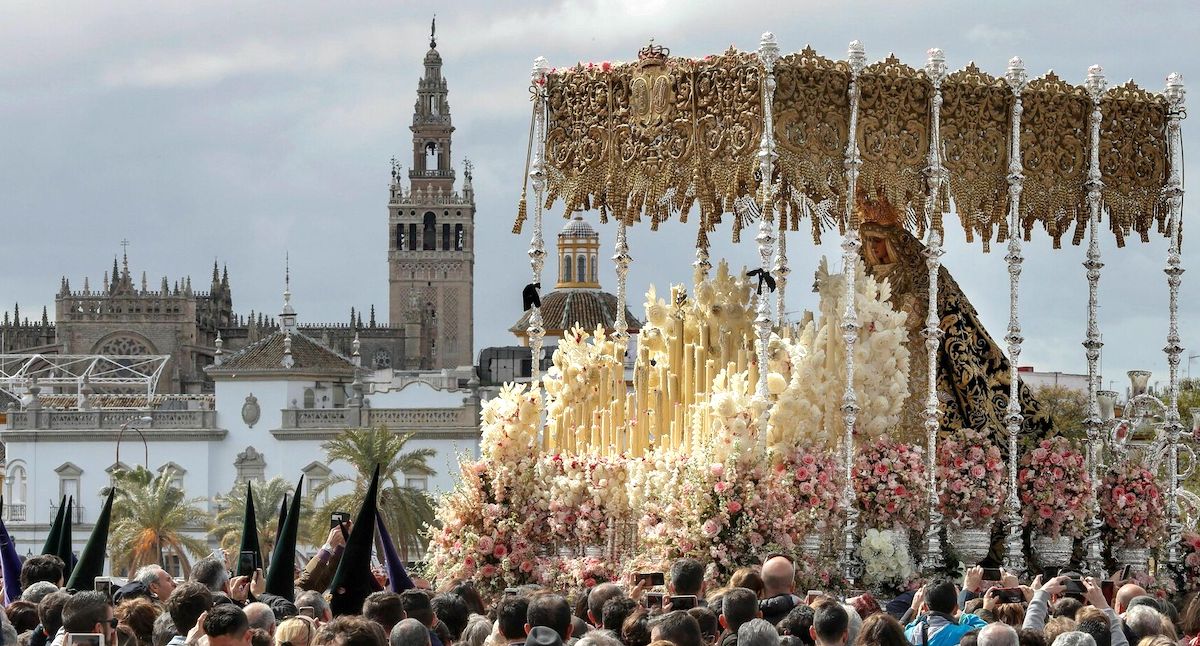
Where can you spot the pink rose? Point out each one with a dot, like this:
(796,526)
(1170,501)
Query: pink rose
(1046,512)
(734,506)
(527,566)
(500,551)
(485,545)
(720,487)
(488,571)
(717,469)
(977,471)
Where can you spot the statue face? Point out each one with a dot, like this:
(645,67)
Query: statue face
(879,251)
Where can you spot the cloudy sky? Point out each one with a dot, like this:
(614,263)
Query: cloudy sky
(242,130)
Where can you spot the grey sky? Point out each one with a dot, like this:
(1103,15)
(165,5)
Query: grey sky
(237,130)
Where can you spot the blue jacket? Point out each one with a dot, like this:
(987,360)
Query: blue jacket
(940,631)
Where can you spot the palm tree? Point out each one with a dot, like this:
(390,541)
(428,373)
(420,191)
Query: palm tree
(405,510)
(150,518)
(231,508)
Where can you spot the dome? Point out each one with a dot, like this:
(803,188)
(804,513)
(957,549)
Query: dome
(563,309)
(578,228)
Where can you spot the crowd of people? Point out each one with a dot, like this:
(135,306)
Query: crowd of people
(759,606)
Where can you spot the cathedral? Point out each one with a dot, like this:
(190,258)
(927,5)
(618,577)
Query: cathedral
(431,262)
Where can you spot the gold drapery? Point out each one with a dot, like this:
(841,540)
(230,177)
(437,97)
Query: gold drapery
(663,135)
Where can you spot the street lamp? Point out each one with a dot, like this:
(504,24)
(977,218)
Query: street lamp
(131,425)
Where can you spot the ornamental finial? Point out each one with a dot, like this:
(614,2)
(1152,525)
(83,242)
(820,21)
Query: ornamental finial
(768,50)
(1096,84)
(433,32)
(935,64)
(1016,75)
(857,56)
(540,68)
(1175,91)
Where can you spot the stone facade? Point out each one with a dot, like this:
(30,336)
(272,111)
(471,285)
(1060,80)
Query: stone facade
(431,257)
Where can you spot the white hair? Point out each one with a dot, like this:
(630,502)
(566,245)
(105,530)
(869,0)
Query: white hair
(757,632)
(1074,638)
(998,634)
(477,630)
(1143,621)
(599,638)
(147,574)
(409,632)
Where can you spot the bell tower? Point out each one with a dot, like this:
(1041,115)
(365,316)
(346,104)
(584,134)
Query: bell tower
(431,230)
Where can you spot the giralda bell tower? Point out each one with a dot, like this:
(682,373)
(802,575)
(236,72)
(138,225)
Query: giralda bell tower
(431,257)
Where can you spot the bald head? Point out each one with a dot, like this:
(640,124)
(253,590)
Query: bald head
(998,634)
(1125,595)
(779,576)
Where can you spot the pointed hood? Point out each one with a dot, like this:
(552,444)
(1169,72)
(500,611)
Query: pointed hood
(353,580)
(283,514)
(91,559)
(281,576)
(10,564)
(51,545)
(65,540)
(249,533)
(398,579)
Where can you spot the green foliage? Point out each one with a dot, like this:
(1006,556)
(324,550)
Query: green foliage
(1067,407)
(150,520)
(231,506)
(405,510)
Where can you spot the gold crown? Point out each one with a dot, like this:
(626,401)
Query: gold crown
(653,52)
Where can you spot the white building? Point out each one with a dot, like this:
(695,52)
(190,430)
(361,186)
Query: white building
(272,414)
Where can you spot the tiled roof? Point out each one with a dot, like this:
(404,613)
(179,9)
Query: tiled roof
(163,401)
(308,355)
(563,309)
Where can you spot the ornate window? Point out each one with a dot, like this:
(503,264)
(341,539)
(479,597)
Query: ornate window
(458,237)
(382,359)
(316,475)
(581,275)
(174,473)
(567,268)
(123,344)
(250,465)
(16,484)
(68,480)
(310,398)
(412,236)
(445,236)
(418,481)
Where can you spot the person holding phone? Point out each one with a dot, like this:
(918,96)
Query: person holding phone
(938,622)
(319,571)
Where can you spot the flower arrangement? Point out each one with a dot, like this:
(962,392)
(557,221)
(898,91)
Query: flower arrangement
(1054,489)
(890,482)
(1190,547)
(887,565)
(1132,506)
(970,470)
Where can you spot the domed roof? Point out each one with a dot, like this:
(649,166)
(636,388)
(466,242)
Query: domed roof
(563,309)
(578,228)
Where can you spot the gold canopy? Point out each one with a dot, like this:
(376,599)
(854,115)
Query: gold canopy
(664,134)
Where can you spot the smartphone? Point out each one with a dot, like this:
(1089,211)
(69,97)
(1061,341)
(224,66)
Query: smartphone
(308,611)
(652,578)
(1009,595)
(511,592)
(1050,572)
(83,639)
(1075,586)
(105,586)
(683,602)
(339,519)
(1126,572)
(654,600)
(992,574)
(1109,588)
(247,563)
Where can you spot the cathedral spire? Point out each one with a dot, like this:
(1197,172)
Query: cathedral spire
(433,32)
(287,318)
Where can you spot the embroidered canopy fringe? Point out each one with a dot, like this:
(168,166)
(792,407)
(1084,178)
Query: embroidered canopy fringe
(656,138)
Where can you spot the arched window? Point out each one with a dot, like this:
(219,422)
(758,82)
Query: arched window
(310,398)
(412,236)
(594,278)
(400,237)
(581,275)
(567,268)
(431,156)
(429,234)
(17,484)
(445,236)
(458,237)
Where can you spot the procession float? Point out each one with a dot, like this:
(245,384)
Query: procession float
(885,436)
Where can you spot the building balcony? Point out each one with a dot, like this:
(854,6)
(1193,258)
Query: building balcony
(14,513)
(77,513)
(79,420)
(302,423)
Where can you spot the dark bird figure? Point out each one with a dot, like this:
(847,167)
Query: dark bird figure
(530,296)
(764,276)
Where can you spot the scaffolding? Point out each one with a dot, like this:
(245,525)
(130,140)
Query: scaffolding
(80,374)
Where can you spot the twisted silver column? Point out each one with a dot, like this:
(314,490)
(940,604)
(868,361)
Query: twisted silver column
(537,176)
(1096,86)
